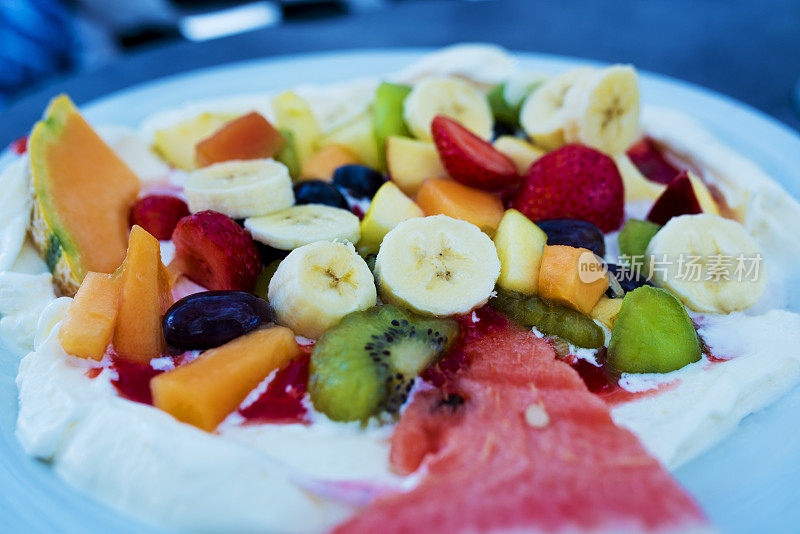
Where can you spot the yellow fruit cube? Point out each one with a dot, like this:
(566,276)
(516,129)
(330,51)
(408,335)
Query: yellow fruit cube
(389,208)
(520,244)
(606,311)
(572,277)
(521,152)
(411,161)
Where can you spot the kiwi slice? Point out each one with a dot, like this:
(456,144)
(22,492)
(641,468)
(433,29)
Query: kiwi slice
(652,334)
(368,362)
(549,318)
(264,278)
(634,238)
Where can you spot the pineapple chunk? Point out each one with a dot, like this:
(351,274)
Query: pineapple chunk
(359,138)
(389,208)
(411,161)
(293,114)
(521,152)
(606,311)
(176,144)
(203,392)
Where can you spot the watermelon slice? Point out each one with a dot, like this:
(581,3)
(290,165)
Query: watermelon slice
(516,442)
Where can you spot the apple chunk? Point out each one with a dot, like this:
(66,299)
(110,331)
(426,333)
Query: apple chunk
(685,195)
(410,162)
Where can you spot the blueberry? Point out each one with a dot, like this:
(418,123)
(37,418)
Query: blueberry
(358,180)
(319,192)
(574,233)
(501,129)
(629,278)
(212,318)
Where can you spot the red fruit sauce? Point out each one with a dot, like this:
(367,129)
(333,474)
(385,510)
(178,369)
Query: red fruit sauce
(282,400)
(650,161)
(133,379)
(20,146)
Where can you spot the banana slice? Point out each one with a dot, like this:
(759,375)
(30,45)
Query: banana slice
(542,113)
(437,266)
(300,225)
(318,284)
(602,109)
(240,189)
(712,264)
(452,97)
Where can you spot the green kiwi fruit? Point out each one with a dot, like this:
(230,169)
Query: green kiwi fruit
(367,363)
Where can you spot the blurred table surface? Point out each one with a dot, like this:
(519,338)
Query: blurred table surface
(749,50)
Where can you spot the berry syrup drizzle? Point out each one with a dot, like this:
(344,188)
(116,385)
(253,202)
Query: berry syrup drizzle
(282,401)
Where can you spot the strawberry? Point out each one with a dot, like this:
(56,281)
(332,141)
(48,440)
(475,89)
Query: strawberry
(677,199)
(469,159)
(651,162)
(573,182)
(158,214)
(216,252)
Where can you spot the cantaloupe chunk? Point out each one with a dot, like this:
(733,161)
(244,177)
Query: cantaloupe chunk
(448,197)
(203,392)
(571,276)
(89,324)
(144,297)
(250,136)
(325,161)
(83,193)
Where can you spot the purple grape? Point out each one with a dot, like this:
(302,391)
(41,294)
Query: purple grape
(212,318)
(574,233)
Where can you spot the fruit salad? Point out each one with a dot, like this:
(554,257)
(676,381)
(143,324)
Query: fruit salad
(452,299)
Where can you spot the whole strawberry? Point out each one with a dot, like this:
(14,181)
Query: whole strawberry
(216,252)
(469,159)
(573,182)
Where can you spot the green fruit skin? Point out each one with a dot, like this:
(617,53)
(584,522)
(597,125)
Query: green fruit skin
(344,382)
(502,111)
(652,334)
(635,236)
(387,114)
(550,319)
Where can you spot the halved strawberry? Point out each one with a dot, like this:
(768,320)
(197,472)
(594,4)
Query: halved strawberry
(158,214)
(651,162)
(216,252)
(573,182)
(469,159)
(677,199)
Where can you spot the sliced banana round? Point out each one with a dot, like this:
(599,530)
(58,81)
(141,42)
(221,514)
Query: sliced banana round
(437,266)
(602,109)
(452,97)
(294,227)
(542,113)
(240,188)
(712,264)
(318,284)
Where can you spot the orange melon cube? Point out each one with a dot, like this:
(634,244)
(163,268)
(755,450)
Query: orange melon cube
(203,392)
(448,197)
(144,297)
(572,276)
(325,161)
(87,329)
(248,137)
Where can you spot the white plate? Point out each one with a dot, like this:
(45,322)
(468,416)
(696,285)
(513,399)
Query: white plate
(750,482)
